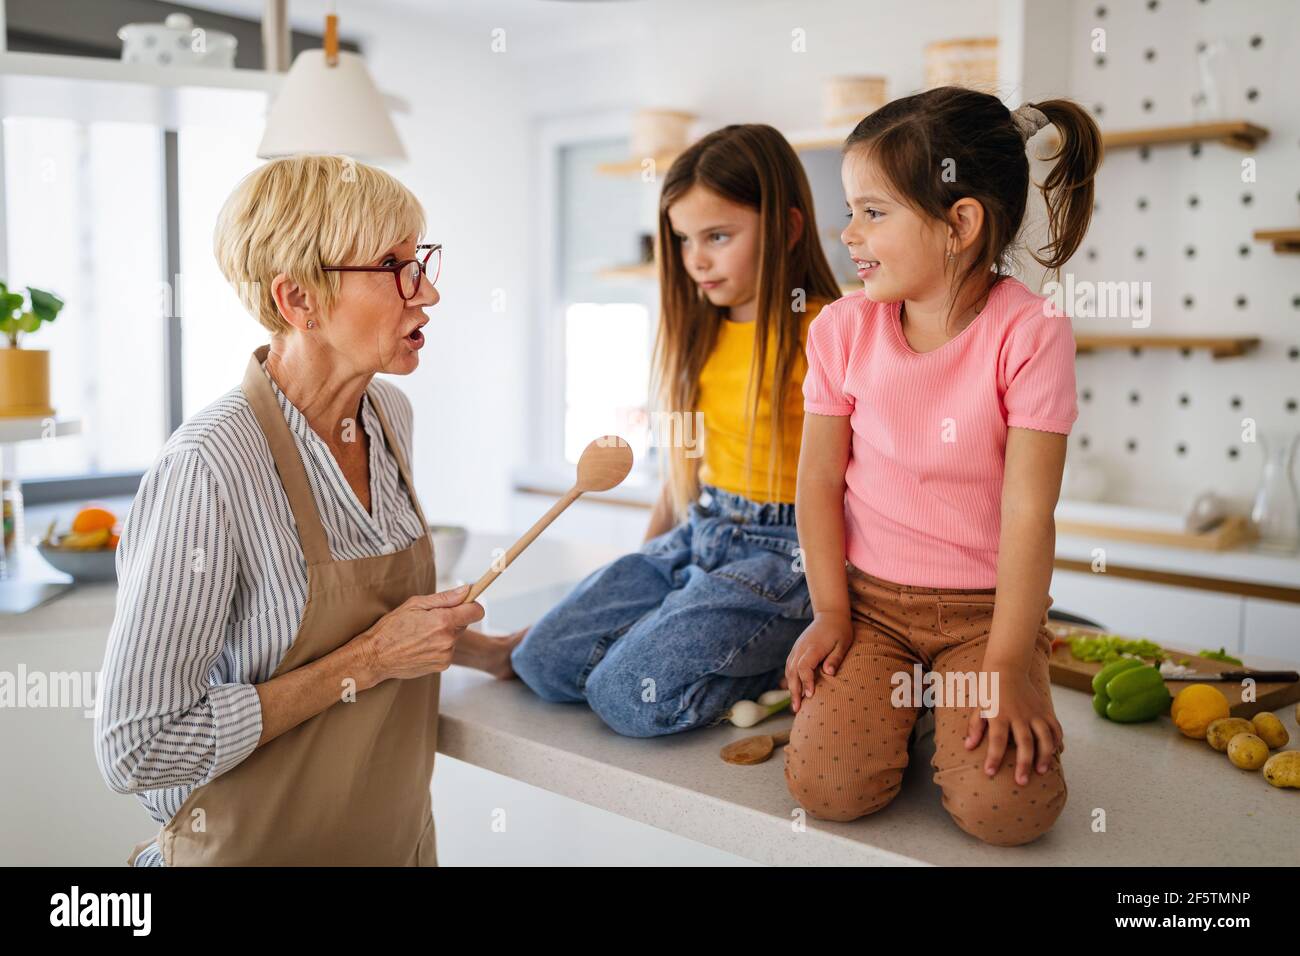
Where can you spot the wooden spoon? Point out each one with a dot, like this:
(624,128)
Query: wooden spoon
(603,465)
(752,750)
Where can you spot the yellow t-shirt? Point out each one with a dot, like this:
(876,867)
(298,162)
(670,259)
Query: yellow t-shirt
(724,381)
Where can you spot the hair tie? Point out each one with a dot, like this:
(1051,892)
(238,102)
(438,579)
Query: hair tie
(1029,119)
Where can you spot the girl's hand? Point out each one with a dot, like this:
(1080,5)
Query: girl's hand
(1023,715)
(825,641)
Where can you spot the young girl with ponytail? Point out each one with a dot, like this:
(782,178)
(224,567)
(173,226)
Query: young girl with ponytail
(703,615)
(938,401)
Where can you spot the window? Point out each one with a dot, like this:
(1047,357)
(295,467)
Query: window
(84,221)
(218,333)
(608,332)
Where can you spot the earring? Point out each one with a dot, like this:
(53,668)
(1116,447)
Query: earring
(311,323)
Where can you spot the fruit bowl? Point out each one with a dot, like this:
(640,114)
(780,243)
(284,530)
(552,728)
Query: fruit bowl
(86,567)
(88,551)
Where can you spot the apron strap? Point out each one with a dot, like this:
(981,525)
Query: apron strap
(288,462)
(401,463)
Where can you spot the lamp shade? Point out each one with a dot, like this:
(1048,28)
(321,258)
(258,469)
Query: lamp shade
(330,109)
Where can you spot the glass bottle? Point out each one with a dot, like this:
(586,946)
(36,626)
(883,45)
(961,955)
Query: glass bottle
(1276,513)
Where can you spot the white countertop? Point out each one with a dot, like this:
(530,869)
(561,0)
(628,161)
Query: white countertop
(1168,800)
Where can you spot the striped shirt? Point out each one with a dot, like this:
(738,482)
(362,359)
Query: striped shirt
(212,584)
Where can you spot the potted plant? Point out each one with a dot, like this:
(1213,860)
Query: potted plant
(25,373)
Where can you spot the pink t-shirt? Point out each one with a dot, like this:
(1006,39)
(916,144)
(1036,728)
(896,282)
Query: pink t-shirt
(923,503)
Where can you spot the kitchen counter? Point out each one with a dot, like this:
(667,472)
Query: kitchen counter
(1157,788)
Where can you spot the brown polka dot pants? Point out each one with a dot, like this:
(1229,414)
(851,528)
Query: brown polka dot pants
(849,744)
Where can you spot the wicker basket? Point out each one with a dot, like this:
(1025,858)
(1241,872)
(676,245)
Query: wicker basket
(970,63)
(847,99)
(661,132)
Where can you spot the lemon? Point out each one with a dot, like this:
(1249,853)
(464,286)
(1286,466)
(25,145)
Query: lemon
(1195,707)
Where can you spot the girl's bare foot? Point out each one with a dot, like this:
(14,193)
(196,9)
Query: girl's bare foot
(502,646)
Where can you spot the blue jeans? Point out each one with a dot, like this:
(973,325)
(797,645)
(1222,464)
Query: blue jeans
(668,638)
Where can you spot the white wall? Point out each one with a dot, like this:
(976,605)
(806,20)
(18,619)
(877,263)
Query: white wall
(472,138)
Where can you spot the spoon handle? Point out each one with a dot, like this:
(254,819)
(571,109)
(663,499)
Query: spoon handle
(524,541)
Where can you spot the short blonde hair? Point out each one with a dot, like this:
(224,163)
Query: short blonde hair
(296,214)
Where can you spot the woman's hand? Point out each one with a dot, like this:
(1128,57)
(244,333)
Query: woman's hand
(418,637)
(1024,716)
(825,641)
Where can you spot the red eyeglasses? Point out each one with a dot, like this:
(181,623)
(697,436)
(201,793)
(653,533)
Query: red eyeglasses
(407,273)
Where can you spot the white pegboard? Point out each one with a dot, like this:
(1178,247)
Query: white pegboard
(1165,426)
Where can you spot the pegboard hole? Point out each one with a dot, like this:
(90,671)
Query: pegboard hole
(1181,448)
(1190,252)
(1184,400)
(1131,445)
(1242,302)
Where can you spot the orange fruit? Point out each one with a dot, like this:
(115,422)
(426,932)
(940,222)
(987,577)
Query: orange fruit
(92,518)
(112,540)
(1196,707)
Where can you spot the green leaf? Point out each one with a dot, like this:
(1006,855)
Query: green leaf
(10,303)
(29,322)
(45,305)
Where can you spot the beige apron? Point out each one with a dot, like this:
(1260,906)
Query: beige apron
(350,786)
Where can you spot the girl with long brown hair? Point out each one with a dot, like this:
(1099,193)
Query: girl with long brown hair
(938,402)
(704,614)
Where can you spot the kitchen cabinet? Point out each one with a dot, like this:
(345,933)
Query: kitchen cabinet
(1271,628)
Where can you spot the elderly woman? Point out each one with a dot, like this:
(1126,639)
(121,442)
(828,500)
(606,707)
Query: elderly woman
(270,687)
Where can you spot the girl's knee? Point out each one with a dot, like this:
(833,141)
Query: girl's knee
(630,707)
(834,786)
(997,809)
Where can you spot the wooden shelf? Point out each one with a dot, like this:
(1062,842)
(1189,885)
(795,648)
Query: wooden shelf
(632,167)
(825,138)
(1218,346)
(14,430)
(638,272)
(1283,240)
(1237,134)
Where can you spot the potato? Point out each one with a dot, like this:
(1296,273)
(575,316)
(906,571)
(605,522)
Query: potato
(1224,729)
(1283,769)
(1270,730)
(1247,751)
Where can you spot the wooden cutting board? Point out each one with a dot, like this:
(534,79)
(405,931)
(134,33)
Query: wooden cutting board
(1068,671)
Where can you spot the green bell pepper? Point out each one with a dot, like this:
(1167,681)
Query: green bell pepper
(1131,692)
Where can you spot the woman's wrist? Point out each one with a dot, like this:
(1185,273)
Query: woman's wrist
(358,661)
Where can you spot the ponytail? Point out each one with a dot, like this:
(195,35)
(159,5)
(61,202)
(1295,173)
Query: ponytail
(1068,189)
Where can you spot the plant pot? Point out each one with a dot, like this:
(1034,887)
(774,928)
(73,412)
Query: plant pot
(25,383)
